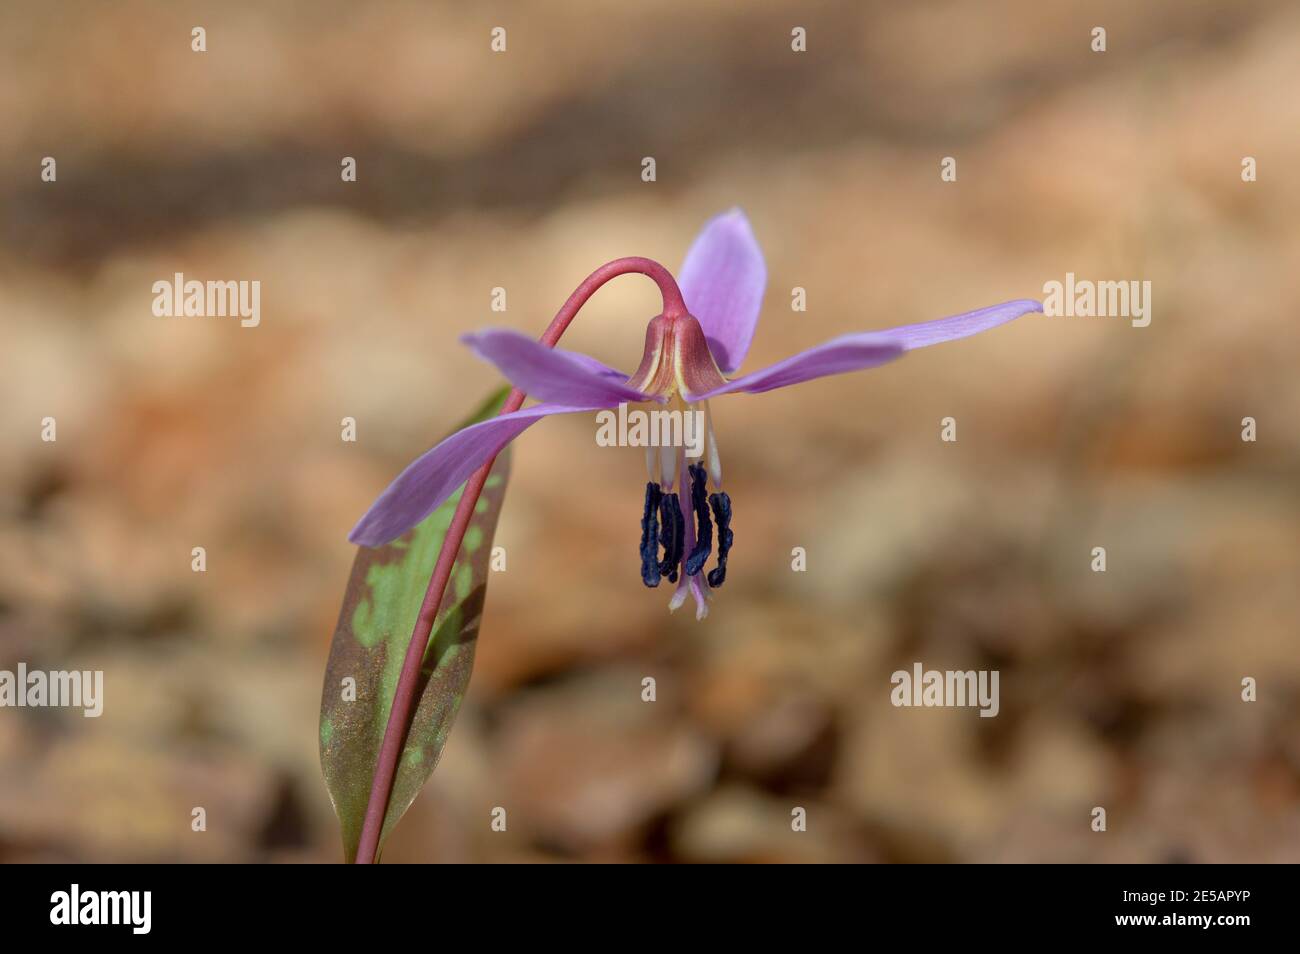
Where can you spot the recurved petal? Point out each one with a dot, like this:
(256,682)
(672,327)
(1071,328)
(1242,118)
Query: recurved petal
(551,374)
(598,368)
(434,476)
(847,353)
(960,326)
(722,281)
(867,349)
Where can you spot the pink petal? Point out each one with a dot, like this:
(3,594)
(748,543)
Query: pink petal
(869,348)
(848,353)
(960,326)
(434,476)
(722,280)
(551,374)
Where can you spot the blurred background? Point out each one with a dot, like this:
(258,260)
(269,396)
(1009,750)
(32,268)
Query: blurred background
(522,170)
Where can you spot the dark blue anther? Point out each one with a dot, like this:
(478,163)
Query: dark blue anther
(703,525)
(721,504)
(673,536)
(650,536)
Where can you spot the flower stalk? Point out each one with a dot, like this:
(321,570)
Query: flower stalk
(404,698)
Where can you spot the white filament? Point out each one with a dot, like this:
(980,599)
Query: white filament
(715,459)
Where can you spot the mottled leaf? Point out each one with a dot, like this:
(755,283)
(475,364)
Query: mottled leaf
(379,612)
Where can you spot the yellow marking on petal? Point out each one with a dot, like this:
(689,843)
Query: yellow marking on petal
(678,364)
(657,356)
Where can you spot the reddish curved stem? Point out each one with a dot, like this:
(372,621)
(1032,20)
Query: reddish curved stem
(404,698)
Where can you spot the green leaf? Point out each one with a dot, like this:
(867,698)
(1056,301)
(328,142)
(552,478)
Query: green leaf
(379,612)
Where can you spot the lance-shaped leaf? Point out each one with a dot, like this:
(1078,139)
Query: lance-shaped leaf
(379,612)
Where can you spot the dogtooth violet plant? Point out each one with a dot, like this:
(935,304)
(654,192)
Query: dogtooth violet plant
(435,521)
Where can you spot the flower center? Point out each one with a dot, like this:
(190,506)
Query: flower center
(676,359)
(682,521)
(677,366)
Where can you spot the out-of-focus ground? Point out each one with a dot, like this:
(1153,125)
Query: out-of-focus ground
(522,170)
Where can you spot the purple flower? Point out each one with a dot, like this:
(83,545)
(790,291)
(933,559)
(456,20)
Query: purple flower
(686,361)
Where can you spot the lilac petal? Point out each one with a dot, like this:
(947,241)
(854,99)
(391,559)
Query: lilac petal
(960,326)
(551,374)
(722,280)
(598,368)
(847,353)
(434,476)
(869,348)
